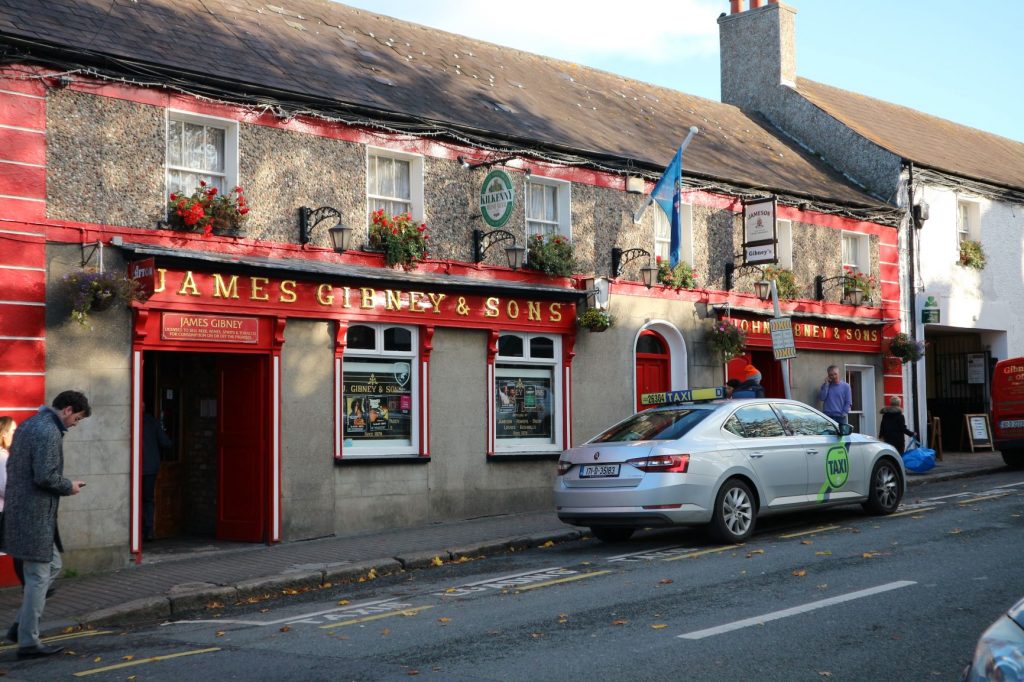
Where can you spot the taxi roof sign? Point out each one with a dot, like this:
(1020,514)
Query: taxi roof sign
(686,395)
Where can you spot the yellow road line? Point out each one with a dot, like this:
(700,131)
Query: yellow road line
(979,499)
(378,616)
(808,532)
(152,659)
(561,580)
(63,638)
(702,552)
(912,511)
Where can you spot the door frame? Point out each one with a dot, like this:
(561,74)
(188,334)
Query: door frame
(677,360)
(869,421)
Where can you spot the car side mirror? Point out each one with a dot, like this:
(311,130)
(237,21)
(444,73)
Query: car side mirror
(845,429)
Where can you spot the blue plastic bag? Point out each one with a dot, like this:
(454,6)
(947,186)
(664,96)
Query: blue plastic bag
(917,459)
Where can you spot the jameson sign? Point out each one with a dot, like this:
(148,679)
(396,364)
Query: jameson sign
(759,238)
(497,198)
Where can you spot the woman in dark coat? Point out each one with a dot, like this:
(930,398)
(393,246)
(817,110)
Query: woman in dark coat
(894,425)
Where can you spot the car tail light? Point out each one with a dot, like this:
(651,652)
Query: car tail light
(676,464)
(563,466)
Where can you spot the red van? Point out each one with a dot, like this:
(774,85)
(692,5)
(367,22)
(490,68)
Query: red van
(1008,410)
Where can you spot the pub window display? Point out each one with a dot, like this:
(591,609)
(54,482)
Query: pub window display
(379,391)
(526,389)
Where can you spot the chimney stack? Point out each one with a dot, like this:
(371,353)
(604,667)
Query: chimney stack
(758,53)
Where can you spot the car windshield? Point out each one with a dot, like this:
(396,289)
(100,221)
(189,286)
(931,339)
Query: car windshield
(659,425)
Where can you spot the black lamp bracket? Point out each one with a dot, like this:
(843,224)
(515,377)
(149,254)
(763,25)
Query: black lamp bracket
(822,284)
(482,241)
(483,164)
(309,218)
(620,258)
(731,269)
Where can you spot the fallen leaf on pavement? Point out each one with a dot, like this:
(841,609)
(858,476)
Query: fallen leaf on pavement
(955,531)
(549,543)
(824,552)
(343,602)
(129,657)
(97,659)
(436,561)
(326,585)
(413,672)
(823,586)
(385,632)
(807,542)
(215,605)
(285,628)
(825,673)
(800,573)
(754,551)
(444,619)
(219,633)
(69,629)
(659,626)
(536,635)
(870,555)
(619,622)
(665,581)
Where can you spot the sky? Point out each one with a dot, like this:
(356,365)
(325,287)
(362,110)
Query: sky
(956,59)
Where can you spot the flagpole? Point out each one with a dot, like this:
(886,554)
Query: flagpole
(650,197)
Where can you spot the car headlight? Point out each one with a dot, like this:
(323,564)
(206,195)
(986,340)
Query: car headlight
(999,655)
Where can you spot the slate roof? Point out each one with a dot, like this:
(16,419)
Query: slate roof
(318,51)
(926,140)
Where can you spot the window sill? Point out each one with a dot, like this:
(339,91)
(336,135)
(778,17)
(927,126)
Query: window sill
(523,456)
(381,459)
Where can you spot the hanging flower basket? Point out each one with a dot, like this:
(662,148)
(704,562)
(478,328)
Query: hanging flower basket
(905,349)
(552,256)
(785,281)
(859,287)
(595,320)
(91,291)
(403,241)
(971,254)
(681,276)
(208,211)
(726,339)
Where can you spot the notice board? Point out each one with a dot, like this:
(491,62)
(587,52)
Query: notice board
(978,431)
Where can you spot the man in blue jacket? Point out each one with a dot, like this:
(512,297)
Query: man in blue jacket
(836,397)
(35,484)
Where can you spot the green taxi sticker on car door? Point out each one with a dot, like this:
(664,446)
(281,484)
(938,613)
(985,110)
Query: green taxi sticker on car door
(837,470)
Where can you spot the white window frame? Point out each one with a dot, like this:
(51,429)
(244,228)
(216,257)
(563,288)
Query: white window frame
(230,128)
(508,446)
(563,206)
(784,248)
(352,449)
(415,182)
(861,261)
(970,213)
(663,245)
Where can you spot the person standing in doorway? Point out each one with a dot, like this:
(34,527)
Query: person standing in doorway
(154,439)
(836,396)
(35,484)
(750,386)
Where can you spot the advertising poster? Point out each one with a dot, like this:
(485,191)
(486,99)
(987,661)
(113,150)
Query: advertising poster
(378,401)
(524,406)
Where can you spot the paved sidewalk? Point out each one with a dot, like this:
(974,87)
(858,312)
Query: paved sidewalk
(173,587)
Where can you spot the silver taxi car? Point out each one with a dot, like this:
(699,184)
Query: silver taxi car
(723,463)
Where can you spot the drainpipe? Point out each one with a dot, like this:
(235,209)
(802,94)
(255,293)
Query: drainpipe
(911,238)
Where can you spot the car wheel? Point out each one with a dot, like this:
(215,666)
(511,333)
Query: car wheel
(885,492)
(606,534)
(733,520)
(1014,458)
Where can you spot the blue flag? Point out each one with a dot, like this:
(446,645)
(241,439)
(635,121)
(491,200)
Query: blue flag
(666,193)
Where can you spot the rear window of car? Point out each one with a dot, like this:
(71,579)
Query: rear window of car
(654,425)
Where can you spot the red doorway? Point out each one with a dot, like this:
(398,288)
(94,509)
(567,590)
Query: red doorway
(766,364)
(242,448)
(653,366)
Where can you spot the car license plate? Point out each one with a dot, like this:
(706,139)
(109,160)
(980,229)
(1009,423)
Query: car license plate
(599,471)
(1012,424)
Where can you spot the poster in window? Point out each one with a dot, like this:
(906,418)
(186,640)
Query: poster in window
(524,402)
(378,401)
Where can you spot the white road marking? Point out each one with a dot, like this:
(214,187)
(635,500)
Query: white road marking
(1010,485)
(650,554)
(304,616)
(515,580)
(796,610)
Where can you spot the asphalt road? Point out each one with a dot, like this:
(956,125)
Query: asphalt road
(834,596)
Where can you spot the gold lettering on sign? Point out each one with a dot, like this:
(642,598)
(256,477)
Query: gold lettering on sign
(257,292)
(188,285)
(366,302)
(462,308)
(161,280)
(220,290)
(533,311)
(435,300)
(287,291)
(414,302)
(325,294)
(345,292)
(491,306)
(512,310)
(555,310)
(394,299)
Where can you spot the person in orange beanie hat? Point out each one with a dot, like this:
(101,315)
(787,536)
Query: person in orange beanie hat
(750,384)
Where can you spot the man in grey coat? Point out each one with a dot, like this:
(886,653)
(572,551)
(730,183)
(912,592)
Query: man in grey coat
(35,484)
